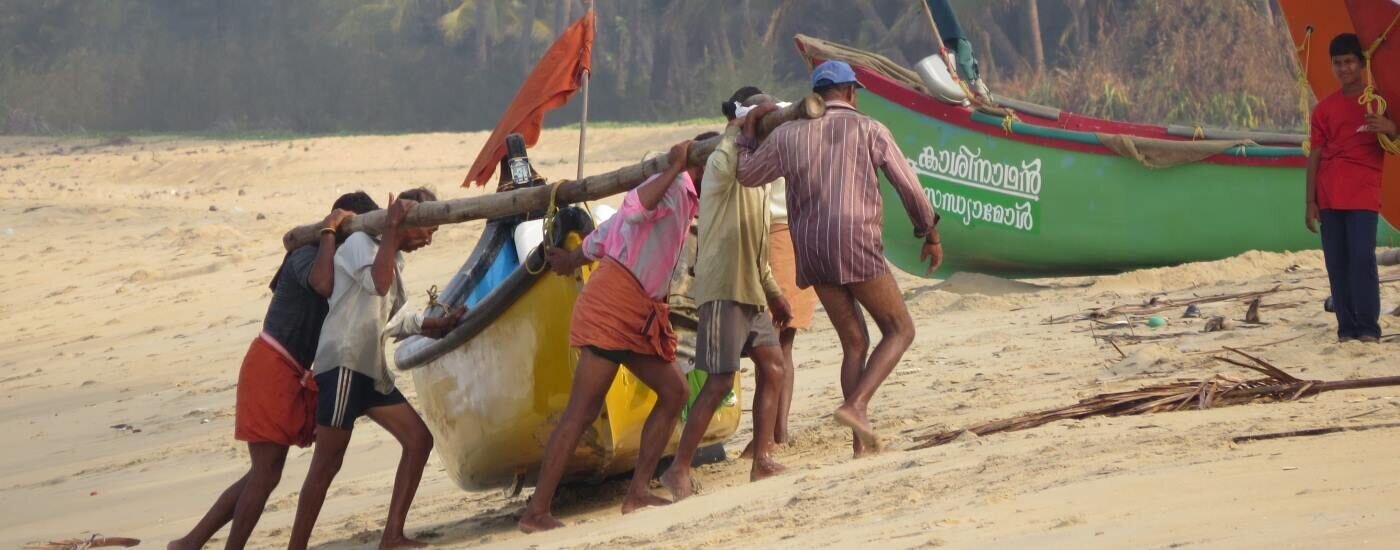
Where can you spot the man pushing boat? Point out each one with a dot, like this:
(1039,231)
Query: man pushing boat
(834,208)
(621,317)
(353,375)
(732,289)
(276,399)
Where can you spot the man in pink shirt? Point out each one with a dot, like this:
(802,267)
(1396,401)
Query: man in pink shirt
(621,317)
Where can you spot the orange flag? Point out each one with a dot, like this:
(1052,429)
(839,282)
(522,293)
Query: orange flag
(554,79)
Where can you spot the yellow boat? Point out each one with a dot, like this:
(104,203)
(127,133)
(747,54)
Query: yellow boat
(493,389)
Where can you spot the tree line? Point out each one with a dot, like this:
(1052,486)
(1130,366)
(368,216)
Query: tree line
(320,66)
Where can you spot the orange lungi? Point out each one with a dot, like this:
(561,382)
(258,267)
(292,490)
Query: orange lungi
(276,400)
(614,313)
(784,263)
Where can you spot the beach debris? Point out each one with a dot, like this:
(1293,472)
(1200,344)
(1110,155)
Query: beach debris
(126,428)
(1252,316)
(1313,431)
(1216,391)
(8,231)
(1216,324)
(1159,304)
(261,216)
(1138,338)
(1156,321)
(1252,346)
(1329,306)
(213,208)
(1193,311)
(94,541)
(1111,342)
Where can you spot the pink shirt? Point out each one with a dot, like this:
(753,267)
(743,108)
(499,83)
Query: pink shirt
(648,242)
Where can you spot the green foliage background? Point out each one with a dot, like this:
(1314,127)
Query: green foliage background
(232,66)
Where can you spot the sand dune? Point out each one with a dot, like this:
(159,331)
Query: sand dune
(136,276)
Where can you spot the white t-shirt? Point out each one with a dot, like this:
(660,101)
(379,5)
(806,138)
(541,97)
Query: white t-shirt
(358,321)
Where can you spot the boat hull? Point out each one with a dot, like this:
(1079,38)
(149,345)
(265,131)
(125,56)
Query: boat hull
(492,401)
(1017,206)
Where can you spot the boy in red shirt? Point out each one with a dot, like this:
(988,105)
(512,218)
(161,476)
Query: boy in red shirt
(1344,192)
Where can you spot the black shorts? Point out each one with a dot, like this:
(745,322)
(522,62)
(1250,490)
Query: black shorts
(345,395)
(616,356)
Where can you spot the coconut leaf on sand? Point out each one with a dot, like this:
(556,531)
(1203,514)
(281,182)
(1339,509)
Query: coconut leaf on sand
(1216,391)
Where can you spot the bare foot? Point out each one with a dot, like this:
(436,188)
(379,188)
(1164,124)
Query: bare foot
(534,523)
(748,451)
(765,468)
(180,544)
(856,421)
(862,451)
(680,485)
(400,541)
(637,502)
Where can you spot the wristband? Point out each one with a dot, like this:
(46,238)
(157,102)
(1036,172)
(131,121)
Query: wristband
(327,230)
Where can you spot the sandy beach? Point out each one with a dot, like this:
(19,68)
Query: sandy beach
(136,274)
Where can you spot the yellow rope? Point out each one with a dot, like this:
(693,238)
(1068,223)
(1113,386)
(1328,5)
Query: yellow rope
(548,225)
(1305,53)
(1008,120)
(1374,103)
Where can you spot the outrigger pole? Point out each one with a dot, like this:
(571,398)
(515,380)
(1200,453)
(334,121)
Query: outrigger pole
(530,199)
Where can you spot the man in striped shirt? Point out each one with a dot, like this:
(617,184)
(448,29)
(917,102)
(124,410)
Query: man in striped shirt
(835,215)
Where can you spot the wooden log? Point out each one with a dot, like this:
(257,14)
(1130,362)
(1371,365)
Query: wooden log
(530,199)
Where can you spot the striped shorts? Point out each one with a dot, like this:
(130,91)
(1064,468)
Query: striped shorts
(347,395)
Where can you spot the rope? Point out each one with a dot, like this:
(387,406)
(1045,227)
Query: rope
(1008,120)
(1197,132)
(433,300)
(548,222)
(1374,103)
(1305,53)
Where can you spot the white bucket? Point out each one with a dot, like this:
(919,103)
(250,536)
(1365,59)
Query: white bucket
(601,213)
(530,234)
(934,74)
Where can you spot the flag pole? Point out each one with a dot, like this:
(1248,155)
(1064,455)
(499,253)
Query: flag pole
(583,125)
(583,118)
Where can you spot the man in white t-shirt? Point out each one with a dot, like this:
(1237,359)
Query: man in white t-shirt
(353,375)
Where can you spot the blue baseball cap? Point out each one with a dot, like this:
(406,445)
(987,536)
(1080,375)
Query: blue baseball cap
(834,72)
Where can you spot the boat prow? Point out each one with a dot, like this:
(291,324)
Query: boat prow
(493,389)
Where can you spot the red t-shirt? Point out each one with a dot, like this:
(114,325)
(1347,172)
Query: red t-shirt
(1349,176)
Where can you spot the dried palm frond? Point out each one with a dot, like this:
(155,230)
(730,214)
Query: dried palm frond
(1217,391)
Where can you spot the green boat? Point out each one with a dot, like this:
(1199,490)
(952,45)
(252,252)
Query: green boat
(1044,194)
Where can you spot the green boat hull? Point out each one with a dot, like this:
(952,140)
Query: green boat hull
(1020,209)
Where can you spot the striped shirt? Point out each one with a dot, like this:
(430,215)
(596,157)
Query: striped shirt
(835,211)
